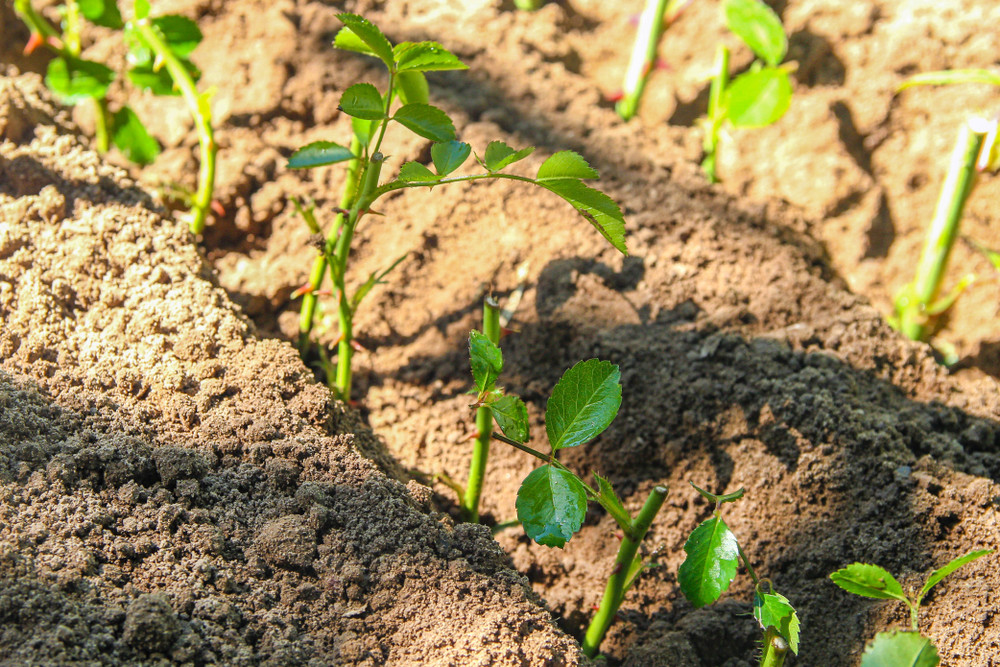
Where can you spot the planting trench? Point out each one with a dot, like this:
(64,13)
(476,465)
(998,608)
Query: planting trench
(176,487)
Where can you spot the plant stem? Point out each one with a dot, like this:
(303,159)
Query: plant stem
(101,136)
(614,592)
(36,23)
(523,447)
(913,307)
(528,5)
(716,112)
(484,425)
(643,57)
(307,312)
(774,650)
(201,113)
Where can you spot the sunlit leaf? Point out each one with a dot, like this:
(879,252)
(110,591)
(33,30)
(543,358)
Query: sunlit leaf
(566,164)
(599,209)
(362,100)
(941,573)
(499,155)
(759,27)
(900,649)
(368,33)
(758,98)
(74,80)
(416,172)
(870,581)
(449,156)
(773,610)
(101,12)
(551,505)
(425,57)
(512,417)
(712,558)
(583,403)
(486,360)
(318,154)
(425,120)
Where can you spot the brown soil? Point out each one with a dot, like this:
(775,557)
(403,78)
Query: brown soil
(177,488)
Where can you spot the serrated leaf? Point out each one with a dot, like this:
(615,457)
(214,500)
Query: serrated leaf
(74,80)
(449,156)
(369,34)
(412,88)
(773,610)
(599,209)
(131,137)
(870,581)
(951,77)
(499,155)
(566,164)
(941,573)
(759,27)
(712,558)
(900,649)
(512,417)
(362,100)
(583,403)
(318,154)
(416,172)
(425,57)
(486,360)
(551,505)
(425,120)
(102,12)
(757,99)
(181,33)
(376,278)
(347,40)
(141,9)
(612,504)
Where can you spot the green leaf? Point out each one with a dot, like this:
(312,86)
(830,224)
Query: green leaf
(583,403)
(512,417)
(756,99)
(369,34)
(712,557)
(449,156)
(951,77)
(499,155)
(900,649)
(427,121)
(551,505)
(724,498)
(376,278)
(74,80)
(609,500)
(599,209)
(566,164)
(157,80)
(362,100)
(318,154)
(425,57)
(757,25)
(412,87)
(181,33)
(131,137)
(141,9)
(486,360)
(773,610)
(415,172)
(102,12)
(870,581)
(347,40)
(939,574)
(364,130)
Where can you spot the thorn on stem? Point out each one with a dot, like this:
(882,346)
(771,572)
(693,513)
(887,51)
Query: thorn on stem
(217,208)
(34,41)
(616,96)
(358,347)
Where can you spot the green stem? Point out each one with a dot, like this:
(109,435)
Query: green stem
(71,28)
(307,312)
(528,5)
(101,136)
(914,616)
(746,564)
(774,650)
(959,181)
(643,59)
(484,425)
(201,112)
(716,112)
(614,592)
(36,23)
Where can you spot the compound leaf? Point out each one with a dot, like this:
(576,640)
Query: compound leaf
(583,403)
(551,505)
(939,574)
(773,610)
(758,98)
(900,649)
(870,581)
(425,120)
(416,172)
(566,164)
(131,137)
(369,34)
(609,500)
(757,25)
(362,100)
(599,209)
(74,80)
(412,87)
(449,156)
(712,558)
(102,12)
(425,57)
(181,33)
(318,154)
(512,417)
(486,360)
(499,155)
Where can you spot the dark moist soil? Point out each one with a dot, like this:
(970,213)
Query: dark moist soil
(176,487)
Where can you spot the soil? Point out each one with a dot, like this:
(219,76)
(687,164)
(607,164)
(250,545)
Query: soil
(176,487)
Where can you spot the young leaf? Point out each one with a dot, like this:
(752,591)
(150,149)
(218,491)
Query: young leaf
(427,121)
(486,359)
(939,574)
(181,34)
(318,154)
(102,12)
(499,155)
(412,87)
(950,77)
(74,80)
(347,40)
(583,403)
(512,417)
(368,33)
(131,137)
(609,500)
(376,278)
(566,164)
(599,209)
(757,25)
(425,57)
(900,649)
(551,505)
(773,610)
(449,156)
(416,172)
(870,581)
(141,9)
(712,558)
(362,100)
(756,99)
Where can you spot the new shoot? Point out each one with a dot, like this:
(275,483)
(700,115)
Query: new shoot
(653,22)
